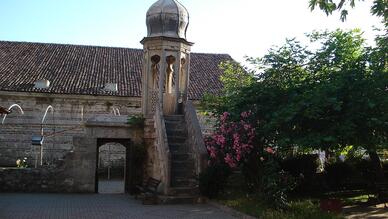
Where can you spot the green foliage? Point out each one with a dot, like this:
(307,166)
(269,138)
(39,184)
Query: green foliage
(136,120)
(326,98)
(254,206)
(276,184)
(299,210)
(338,173)
(213,180)
(248,203)
(233,79)
(305,164)
(385,167)
(351,174)
(233,143)
(379,7)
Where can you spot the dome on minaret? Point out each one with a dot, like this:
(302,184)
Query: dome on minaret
(167,18)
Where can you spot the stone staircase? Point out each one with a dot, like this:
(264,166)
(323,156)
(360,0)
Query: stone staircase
(184,185)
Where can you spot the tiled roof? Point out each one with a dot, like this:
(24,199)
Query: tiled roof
(74,69)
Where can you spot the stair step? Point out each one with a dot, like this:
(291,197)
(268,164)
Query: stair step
(181,174)
(177,165)
(183,167)
(188,172)
(174,118)
(174,122)
(179,148)
(191,199)
(175,150)
(176,139)
(174,127)
(176,132)
(183,191)
(183,182)
(182,135)
(178,145)
(181,156)
(189,161)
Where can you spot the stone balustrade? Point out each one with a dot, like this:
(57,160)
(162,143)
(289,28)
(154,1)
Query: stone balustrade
(195,139)
(163,150)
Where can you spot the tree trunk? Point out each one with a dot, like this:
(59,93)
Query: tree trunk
(374,157)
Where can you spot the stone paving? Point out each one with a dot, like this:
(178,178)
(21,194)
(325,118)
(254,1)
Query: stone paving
(96,206)
(361,212)
(111,186)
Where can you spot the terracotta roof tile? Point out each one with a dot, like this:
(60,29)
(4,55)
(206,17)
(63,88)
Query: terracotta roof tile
(84,70)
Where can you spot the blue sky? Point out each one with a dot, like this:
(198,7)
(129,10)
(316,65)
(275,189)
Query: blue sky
(239,28)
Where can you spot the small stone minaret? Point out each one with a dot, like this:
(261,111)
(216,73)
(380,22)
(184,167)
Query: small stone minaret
(166,58)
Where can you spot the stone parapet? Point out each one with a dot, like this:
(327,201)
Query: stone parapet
(195,137)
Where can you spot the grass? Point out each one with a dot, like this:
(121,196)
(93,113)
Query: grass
(349,198)
(357,200)
(243,203)
(251,205)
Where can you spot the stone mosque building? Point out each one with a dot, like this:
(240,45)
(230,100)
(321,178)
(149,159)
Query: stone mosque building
(74,100)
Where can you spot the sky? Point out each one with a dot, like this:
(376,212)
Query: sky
(239,28)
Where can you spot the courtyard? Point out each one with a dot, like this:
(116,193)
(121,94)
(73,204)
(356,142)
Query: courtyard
(294,130)
(93,206)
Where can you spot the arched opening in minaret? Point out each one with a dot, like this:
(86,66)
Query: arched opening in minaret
(155,71)
(170,82)
(182,76)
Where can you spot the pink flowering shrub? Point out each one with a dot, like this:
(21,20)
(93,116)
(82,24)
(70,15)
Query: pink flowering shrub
(233,142)
(235,145)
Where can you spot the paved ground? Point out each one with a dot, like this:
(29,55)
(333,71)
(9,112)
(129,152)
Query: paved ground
(375,212)
(94,206)
(111,186)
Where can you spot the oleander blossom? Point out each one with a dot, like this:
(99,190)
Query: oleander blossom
(269,150)
(220,140)
(230,161)
(233,141)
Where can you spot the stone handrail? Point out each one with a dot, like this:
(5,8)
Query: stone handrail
(162,148)
(195,138)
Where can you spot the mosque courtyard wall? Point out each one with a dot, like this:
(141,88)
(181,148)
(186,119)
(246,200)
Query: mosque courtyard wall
(70,112)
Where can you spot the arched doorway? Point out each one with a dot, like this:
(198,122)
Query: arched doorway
(113,169)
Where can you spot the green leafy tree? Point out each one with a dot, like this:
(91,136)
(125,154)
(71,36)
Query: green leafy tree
(234,78)
(379,7)
(326,99)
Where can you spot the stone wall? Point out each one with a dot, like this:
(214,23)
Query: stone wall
(152,168)
(206,122)
(74,173)
(70,111)
(77,121)
(33,180)
(195,137)
(111,155)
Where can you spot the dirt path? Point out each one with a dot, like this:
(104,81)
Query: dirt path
(361,212)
